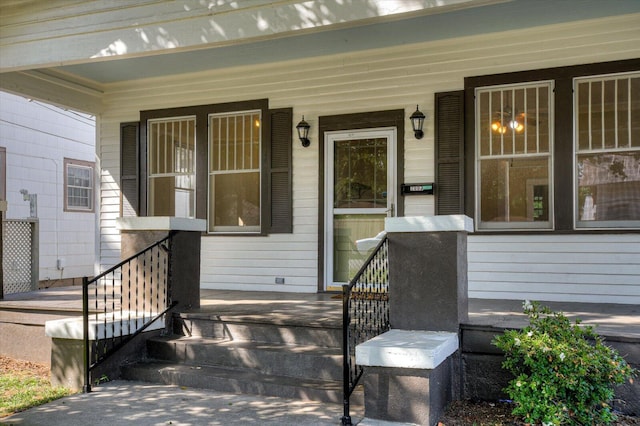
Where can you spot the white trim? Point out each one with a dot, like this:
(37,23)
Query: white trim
(455,223)
(160,223)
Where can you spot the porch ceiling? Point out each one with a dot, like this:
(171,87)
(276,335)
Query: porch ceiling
(81,84)
(469,19)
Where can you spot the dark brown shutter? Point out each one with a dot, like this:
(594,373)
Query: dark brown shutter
(129,188)
(280,171)
(449,152)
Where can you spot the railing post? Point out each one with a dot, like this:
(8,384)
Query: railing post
(85,334)
(346,368)
(170,268)
(364,298)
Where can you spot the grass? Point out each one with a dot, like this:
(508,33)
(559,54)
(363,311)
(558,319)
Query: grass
(24,385)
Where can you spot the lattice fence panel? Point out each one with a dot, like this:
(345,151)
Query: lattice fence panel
(17,256)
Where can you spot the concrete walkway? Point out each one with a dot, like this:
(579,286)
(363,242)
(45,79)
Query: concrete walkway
(145,404)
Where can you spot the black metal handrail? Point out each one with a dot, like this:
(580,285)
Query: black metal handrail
(123,301)
(365,314)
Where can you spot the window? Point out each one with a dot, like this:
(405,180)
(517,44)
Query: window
(172,167)
(78,189)
(554,149)
(514,145)
(607,145)
(228,163)
(234,172)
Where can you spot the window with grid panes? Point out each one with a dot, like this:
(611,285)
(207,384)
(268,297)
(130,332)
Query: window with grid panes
(234,172)
(172,167)
(607,150)
(514,142)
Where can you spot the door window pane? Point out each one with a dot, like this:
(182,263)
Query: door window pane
(171,163)
(607,123)
(360,173)
(234,172)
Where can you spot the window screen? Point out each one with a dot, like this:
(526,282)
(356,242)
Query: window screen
(514,144)
(607,137)
(234,172)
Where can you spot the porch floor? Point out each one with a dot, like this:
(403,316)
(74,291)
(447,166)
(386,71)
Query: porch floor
(325,309)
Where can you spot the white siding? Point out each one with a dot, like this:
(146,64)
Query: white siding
(37,138)
(370,80)
(572,268)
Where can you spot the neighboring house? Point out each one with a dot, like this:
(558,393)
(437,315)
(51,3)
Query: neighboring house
(49,169)
(532,129)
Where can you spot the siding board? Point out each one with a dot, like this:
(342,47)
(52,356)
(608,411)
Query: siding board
(546,268)
(559,278)
(552,267)
(554,258)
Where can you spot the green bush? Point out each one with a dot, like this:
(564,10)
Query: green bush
(563,372)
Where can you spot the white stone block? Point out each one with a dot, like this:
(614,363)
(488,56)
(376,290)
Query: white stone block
(102,326)
(451,223)
(407,349)
(160,223)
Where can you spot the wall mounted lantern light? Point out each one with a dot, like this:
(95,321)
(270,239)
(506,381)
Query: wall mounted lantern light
(417,121)
(303,132)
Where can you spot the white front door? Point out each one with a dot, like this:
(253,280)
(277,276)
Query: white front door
(360,193)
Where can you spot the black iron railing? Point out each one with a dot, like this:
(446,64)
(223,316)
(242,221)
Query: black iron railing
(365,304)
(124,301)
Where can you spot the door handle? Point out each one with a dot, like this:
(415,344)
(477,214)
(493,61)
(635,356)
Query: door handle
(391,210)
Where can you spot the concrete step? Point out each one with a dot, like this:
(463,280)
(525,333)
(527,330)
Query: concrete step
(254,354)
(236,380)
(258,328)
(268,358)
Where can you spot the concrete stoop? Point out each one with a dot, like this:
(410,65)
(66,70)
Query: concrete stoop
(247,356)
(409,375)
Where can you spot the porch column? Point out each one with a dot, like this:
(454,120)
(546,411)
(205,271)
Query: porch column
(412,371)
(137,233)
(428,272)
